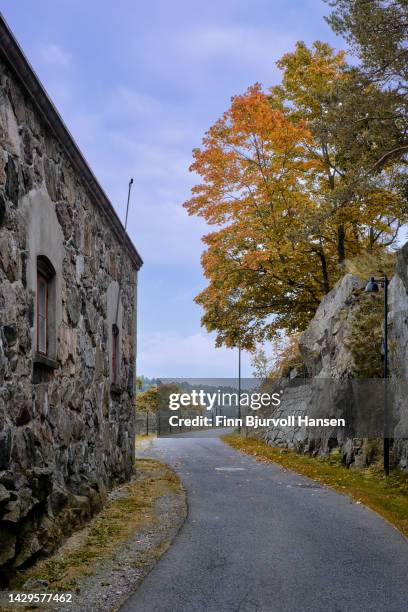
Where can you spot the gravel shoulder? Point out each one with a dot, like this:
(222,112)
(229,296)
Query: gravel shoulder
(114,579)
(107,560)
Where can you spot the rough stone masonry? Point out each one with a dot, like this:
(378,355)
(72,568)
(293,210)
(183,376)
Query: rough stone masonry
(67,344)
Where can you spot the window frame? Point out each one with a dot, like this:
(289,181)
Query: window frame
(115,354)
(45,281)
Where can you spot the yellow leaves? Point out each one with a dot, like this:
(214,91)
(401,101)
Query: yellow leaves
(310,74)
(252,145)
(282,201)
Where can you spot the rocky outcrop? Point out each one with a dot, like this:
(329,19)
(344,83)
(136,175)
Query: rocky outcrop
(398,356)
(329,392)
(295,401)
(323,345)
(66,432)
(324,349)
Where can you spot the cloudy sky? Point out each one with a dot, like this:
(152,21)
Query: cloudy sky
(138,83)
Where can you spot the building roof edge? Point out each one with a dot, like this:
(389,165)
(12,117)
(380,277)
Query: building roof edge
(20,65)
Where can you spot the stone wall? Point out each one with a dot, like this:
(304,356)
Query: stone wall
(294,401)
(323,347)
(66,433)
(317,399)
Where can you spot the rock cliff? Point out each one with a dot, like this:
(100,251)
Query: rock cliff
(323,345)
(325,348)
(398,340)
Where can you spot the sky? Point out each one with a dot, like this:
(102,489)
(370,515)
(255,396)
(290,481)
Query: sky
(138,84)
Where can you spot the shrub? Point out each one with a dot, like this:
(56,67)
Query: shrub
(367,265)
(286,357)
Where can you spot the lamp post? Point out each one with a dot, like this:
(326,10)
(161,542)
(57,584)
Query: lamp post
(239,387)
(373,287)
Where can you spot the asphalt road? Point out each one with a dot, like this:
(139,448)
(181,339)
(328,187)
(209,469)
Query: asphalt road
(259,539)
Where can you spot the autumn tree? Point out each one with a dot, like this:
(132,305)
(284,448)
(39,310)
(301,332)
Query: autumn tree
(262,364)
(377,32)
(335,100)
(156,397)
(147,400)
(267,255)
(278,183)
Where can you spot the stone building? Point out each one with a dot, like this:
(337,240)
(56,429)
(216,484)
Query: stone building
(68,278)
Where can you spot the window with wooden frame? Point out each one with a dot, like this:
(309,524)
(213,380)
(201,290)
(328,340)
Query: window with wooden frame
(115,354)
(45,309)
(42,313)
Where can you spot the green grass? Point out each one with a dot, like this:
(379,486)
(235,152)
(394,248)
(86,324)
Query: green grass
(388,496)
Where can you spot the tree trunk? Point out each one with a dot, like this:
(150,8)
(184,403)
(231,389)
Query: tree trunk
(325,272)
(341,249)
(371,243)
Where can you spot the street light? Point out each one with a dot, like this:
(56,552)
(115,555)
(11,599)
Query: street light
(373,287)
(239,387)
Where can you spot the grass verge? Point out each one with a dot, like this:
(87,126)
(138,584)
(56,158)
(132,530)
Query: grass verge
(142,441)
(130,508)
(386,496)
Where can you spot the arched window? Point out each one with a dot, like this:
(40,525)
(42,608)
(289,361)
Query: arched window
(45,308)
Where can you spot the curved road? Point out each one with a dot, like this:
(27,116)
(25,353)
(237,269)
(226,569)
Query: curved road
(260,539)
